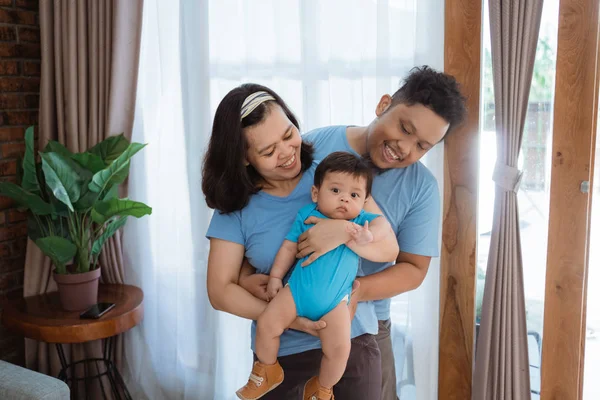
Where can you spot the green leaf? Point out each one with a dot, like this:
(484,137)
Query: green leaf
(86,201)
(89,161)
(34,230)
(60,251)
(105,210)
(64,176)
(110,148)
(56,147)
(59,208)
(121,175)
(42,181)
(25,199)
(113,174)
(29,182)
(111,193)
(110,230)
(49,227)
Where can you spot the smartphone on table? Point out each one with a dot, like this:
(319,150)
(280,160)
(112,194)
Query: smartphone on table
(97,310)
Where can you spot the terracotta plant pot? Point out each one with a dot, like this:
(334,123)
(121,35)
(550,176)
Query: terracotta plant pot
(78,292)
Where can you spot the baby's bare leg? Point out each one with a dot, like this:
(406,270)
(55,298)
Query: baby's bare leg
(279,314)
(335,340)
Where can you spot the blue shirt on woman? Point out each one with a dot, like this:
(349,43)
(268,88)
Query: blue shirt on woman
(261,227)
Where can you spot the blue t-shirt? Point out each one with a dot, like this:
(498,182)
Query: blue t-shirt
(409,198)
(261,227)
(321,286)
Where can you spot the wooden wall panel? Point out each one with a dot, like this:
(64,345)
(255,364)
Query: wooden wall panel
(462,58)
(572,149)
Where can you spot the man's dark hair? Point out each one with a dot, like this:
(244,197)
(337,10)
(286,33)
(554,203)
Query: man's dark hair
(342,161)
(435,90)
(227,182)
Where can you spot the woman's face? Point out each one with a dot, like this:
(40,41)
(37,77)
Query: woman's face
(274,146)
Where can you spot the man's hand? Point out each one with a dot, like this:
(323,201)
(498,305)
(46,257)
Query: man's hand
(326,235)
(360,234)
(306,325)
(256,285)
(273,287)
(354,297)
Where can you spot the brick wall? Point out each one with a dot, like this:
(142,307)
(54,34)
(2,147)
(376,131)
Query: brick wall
(19,100)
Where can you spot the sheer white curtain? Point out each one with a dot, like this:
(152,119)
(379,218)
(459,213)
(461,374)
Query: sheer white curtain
(331,61)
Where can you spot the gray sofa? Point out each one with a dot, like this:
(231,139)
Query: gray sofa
(17,383)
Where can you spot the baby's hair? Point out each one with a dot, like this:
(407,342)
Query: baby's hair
(342,161)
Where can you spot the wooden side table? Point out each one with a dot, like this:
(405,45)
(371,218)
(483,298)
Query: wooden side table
(42,318)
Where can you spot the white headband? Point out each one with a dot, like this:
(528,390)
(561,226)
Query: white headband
(253,101)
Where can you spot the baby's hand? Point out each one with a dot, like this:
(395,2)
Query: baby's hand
(273,287)
(360,234)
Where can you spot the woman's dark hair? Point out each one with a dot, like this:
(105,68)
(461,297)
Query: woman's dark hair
(435,90)
(342,161)
(227,182)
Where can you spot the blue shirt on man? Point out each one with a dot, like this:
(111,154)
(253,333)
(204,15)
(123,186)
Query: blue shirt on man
(409,198)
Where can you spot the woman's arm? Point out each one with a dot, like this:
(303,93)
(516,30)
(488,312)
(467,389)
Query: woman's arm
(224,265)
(253,282)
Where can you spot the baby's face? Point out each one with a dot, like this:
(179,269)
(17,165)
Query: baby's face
(341,195)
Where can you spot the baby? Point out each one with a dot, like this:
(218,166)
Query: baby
(320,291)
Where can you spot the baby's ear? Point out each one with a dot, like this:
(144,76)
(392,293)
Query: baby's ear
(314,193)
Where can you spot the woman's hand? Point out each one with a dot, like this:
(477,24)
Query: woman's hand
(256,285)
(326,235)
(273,287)
(306,325)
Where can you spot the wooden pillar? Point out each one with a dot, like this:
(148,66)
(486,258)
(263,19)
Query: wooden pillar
(575,108)
(462,59)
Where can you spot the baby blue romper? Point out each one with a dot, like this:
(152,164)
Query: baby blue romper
(319,287)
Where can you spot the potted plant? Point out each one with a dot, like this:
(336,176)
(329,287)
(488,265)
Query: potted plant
(73,208)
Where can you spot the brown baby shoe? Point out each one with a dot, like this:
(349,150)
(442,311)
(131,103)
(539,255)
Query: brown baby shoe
(263,379)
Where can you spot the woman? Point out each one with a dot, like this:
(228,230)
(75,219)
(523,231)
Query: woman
(257,175)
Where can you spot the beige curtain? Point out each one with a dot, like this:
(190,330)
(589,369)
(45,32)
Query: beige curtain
(90,52)
(502,364)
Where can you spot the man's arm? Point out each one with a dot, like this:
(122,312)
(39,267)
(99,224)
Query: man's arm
(383,248)
(407,274)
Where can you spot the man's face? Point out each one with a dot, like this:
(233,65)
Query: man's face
(402,134)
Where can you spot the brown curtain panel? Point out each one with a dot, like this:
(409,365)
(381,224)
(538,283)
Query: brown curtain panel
(501,363)
(90,53)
